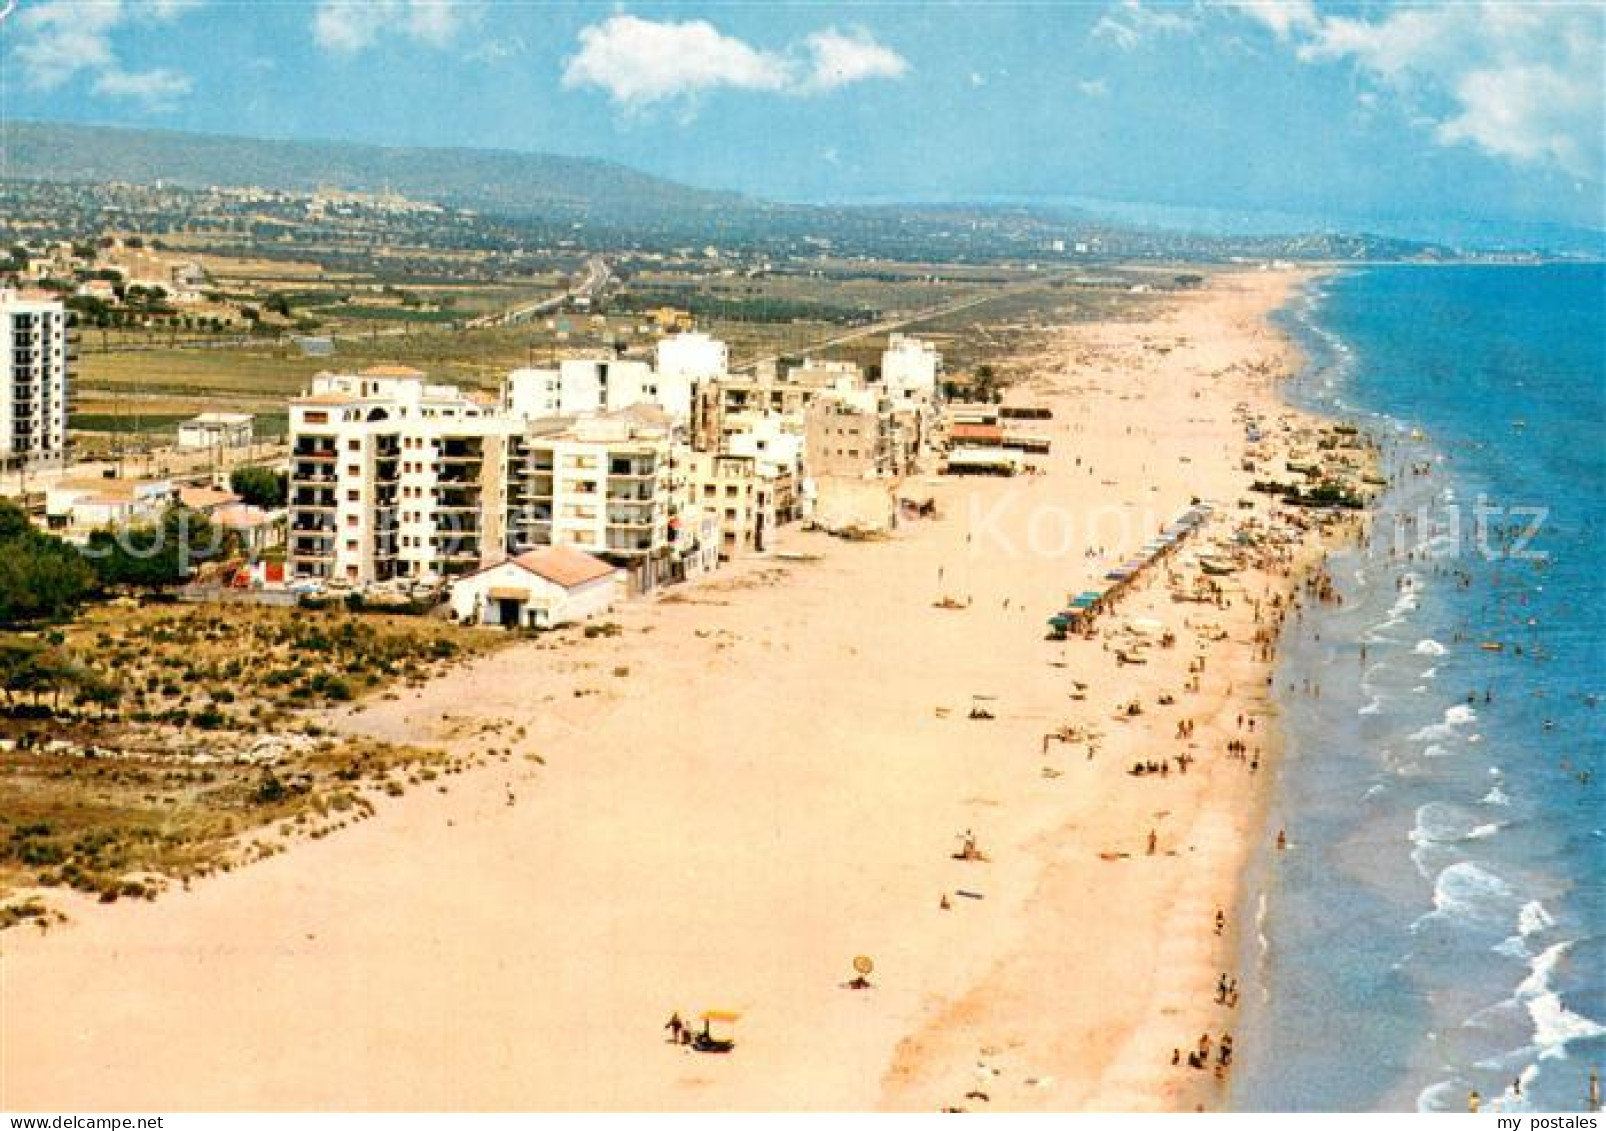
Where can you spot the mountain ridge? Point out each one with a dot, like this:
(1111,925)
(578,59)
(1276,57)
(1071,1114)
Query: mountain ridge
(500,180)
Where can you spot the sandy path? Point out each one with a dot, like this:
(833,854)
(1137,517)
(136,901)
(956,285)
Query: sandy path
(774,787)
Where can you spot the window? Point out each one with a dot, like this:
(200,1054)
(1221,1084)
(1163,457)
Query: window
(354,445)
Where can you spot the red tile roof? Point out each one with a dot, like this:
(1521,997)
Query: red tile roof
(564,565)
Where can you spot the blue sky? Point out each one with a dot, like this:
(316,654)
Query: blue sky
(1467,109)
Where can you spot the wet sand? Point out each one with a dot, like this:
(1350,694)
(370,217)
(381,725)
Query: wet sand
(759,779)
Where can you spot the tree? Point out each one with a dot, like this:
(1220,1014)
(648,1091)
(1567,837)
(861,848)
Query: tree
(261,486)
(34,668)
(156,556)
(41,577)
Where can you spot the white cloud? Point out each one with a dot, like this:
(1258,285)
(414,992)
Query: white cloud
(61,40)
(1523,83)
(349,26)
(156,88)
(639,62)
(1130,22)
(844,58)
(1282,16)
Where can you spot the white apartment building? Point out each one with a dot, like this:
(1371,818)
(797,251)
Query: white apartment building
(34,357)
(612,485)
(776,444)
(692,355)
(739,495)
(394,479)
(586,386)
(910,367)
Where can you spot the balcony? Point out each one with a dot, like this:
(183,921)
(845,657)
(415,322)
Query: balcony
(631,494)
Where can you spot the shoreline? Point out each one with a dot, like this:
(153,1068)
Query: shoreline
(425,958)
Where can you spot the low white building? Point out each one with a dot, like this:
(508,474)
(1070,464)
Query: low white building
(257,529)
(542,588)
(77,508)
(213,430)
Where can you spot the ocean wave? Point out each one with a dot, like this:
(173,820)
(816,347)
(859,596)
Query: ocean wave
(1431,673)
(1467,893)
(1496,796)
(1456,716)
(1439,822)
(1533,918)
(1429,648)
(1555,1026)
(1372,707)
(1442,1097)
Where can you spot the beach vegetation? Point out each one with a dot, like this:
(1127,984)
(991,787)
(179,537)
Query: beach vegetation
(139,744)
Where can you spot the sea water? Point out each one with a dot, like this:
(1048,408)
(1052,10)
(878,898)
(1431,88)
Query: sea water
(1437,924)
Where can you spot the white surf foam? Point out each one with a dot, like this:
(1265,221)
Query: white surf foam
(1456,716)
(1555,1026)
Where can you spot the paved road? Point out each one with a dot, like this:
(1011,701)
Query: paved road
(890,324)
(589,287)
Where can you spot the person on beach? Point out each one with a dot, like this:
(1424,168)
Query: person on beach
(1154,842)
(1282,839)
(675,1026)
(1221,920)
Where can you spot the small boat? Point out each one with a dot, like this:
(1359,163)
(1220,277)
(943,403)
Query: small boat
(1216,567)
(1492,646)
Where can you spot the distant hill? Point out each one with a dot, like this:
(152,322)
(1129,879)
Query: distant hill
(498,181)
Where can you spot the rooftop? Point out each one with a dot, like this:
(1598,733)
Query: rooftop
(564,565)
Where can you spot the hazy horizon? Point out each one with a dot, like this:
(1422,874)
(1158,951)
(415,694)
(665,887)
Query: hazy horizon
(1339,115)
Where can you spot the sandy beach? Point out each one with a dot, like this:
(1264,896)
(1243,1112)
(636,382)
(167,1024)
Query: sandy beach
(758,779)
